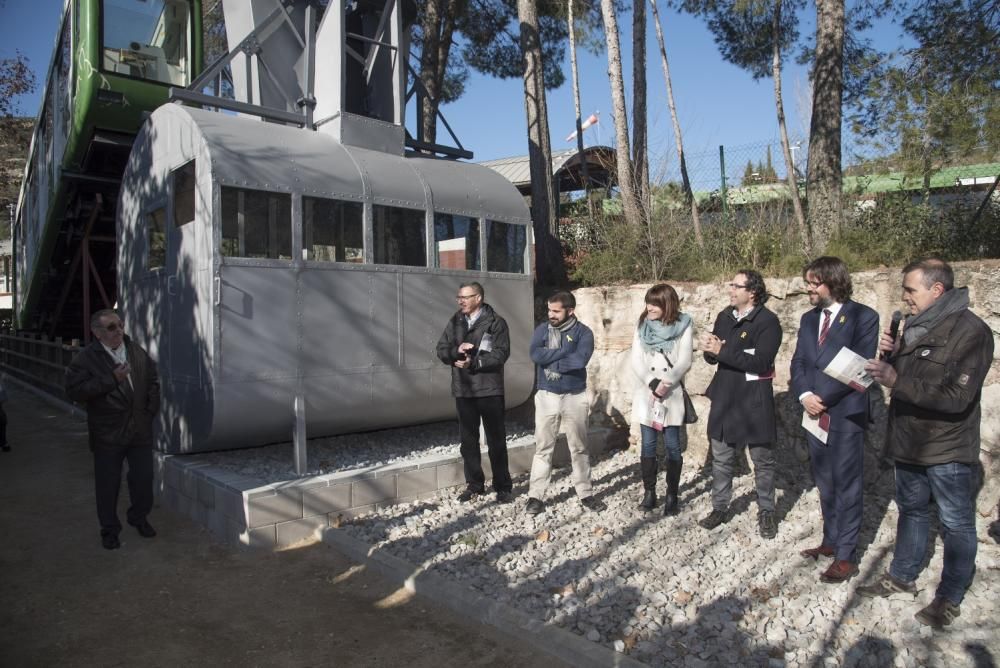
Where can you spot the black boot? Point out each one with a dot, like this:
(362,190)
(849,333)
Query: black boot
(648,467)
(673,483)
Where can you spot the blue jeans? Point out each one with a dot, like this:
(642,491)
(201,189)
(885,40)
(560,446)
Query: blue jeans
(671,440)
(952,486)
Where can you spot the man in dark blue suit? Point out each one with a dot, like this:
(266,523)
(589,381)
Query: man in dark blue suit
(834,322)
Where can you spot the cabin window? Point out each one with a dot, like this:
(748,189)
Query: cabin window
(399,236)
(147,39)
(456,242)
(256,224)
(332,230)
(184,188)
(505,246)
(156,241)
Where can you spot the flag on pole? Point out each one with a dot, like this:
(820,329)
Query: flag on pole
(591,120)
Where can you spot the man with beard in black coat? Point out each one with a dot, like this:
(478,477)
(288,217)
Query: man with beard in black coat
(743,343)
(118,383)
(476,344)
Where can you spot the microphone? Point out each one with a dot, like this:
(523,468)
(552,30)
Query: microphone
(893,332)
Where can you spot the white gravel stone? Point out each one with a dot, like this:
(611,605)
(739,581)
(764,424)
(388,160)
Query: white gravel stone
(689,597)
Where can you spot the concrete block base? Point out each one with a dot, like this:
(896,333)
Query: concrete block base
(277,514)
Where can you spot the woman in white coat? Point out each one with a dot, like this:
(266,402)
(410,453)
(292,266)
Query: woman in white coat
(661,355)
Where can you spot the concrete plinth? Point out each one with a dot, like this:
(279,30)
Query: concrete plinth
(274,514)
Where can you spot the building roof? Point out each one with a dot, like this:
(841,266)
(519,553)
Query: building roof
(565,167)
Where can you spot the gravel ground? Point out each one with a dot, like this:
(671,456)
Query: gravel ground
(670,593)
(351,452)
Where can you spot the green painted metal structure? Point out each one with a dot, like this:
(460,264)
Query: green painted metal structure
(114,62)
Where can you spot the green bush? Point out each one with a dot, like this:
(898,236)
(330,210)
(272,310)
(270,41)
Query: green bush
(606,250)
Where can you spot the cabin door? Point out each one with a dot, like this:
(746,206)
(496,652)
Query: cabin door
(184,339)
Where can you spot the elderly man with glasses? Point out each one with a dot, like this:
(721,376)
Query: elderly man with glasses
(117,382)
(743,343)
(476,344)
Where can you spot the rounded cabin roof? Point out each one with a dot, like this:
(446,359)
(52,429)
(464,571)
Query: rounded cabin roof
(246,152)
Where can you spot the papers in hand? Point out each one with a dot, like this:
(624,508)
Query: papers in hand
(753,376)
(849,368)
(818,426)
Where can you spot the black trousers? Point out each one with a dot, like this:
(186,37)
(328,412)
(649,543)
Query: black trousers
(108,479)
(3,426)
(490,410)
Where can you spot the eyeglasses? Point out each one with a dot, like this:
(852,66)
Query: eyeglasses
(814,284)
(113,327)
(737,286)
(464,298)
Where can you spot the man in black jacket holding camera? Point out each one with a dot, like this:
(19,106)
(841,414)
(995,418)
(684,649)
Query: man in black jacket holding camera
(118,383)
(476,344)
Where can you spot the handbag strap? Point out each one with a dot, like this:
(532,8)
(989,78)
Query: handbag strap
(672,366)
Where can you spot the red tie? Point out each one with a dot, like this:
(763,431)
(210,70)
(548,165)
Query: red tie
(826,326)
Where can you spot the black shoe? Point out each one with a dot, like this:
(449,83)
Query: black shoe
(470,493)
(648,500)
(534,506)
(593,503)
(5,447)
(144,528)
(940,613)
(766,524)
(110,541)
(886,586)
(505,497)
(713,519)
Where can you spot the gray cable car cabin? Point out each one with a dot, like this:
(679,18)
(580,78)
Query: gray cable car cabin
(270,267)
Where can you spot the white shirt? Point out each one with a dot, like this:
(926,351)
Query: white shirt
(834,309)
(471,319)
(121,357)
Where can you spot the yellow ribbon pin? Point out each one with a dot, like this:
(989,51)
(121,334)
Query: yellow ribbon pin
(743,335)
(843,319)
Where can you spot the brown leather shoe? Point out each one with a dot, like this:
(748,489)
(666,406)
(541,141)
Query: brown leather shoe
(839,571)
(817,552)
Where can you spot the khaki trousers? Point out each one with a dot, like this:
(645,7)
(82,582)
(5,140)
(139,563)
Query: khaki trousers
(572,410)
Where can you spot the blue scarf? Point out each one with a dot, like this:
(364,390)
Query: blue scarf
(660,337)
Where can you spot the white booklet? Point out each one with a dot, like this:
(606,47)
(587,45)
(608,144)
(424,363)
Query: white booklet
(849,368)
(817,426)
(753,376)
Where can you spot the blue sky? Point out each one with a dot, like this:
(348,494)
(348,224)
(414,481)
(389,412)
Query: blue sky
(717,102)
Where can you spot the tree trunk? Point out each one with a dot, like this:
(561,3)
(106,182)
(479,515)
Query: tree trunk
(640,143)
(824,179)
(626,186)
(576,106)
(685,181)
(438,29)
(786,148)
(549,269)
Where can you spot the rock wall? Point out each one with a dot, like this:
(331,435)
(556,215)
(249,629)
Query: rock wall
(613,312)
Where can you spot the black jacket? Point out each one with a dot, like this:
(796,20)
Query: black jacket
(118,414)
(934,414)
(743,410)
(485,377)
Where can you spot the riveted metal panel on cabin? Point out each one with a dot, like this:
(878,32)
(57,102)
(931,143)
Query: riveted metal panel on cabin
(257,313)
(350,320)
(271,156)
(392,181)
(459,186)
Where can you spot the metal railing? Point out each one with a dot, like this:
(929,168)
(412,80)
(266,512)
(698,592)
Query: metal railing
(38,360)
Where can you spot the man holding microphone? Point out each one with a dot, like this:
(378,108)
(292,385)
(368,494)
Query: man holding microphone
(935,373)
